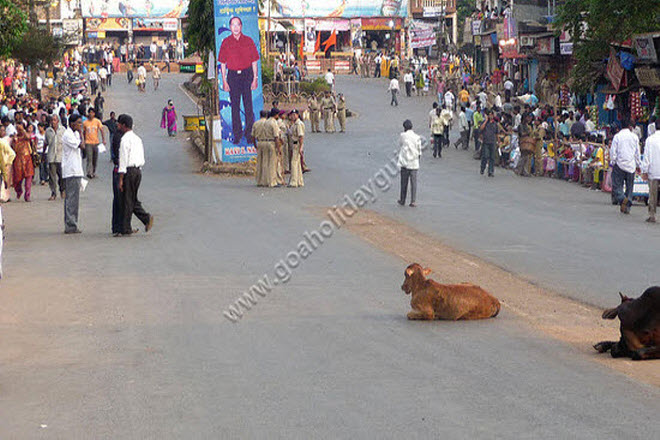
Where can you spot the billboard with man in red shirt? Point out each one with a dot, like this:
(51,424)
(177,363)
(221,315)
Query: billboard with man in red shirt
(239,75)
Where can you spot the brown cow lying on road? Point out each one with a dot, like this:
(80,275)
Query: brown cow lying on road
(431,300)
(640,327)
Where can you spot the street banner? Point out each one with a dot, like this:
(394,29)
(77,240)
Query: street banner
(133,8)
(356,33)
(339,8)
(155,24)
(310,35)
(237,45)
(108,24)
(422,34)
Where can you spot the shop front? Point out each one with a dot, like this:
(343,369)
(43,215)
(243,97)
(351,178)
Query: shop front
(382,34)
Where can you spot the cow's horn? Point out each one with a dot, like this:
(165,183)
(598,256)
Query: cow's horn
(622,296)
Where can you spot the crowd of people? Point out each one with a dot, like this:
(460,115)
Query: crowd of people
(511,128)
(55,140)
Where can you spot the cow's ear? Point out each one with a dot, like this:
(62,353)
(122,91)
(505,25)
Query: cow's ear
(409,272)
(426,272)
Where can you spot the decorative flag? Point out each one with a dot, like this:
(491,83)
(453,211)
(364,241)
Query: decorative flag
(331,41)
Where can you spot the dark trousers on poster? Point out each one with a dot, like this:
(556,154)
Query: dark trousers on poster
(240,89)
(117,205)
(619,179)
(406,175)
(132,205)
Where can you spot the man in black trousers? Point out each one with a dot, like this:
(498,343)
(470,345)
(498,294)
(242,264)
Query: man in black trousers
(118,197)
(131,161)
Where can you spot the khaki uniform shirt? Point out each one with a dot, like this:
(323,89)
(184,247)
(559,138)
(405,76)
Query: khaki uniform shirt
(328,103)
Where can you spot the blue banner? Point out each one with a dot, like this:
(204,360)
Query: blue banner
(239,75)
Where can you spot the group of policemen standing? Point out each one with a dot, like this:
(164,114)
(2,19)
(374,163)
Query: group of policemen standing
(278,137)
(329,107)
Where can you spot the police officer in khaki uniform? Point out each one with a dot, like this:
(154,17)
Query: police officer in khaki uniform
(257,134)
(296,136)
(271,141)
(329,107)
(282,154)
(314,113)
(341,112)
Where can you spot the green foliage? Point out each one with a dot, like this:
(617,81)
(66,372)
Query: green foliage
(317,86)
(200,32)
(37,46)
(267,72)
(13,25)
(595,24)
(464,8)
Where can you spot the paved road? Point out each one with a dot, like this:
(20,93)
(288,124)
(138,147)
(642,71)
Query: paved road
(125,338)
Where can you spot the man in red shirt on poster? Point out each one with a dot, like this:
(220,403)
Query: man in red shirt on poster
(238,58)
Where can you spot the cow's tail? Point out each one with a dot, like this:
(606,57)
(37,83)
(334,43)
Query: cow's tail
(497,309)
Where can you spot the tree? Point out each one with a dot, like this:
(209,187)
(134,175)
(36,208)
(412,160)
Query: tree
(37,46)
(200,32)
(12,26)
(595,24)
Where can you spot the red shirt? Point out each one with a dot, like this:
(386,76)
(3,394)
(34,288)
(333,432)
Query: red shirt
(238,54)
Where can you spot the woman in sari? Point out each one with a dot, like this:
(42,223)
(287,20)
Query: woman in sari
(169,118)
(23,168)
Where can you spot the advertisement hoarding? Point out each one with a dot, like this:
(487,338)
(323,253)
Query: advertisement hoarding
(133,8)
(237,43)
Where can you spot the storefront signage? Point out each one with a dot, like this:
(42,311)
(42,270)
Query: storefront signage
(155,24)
(566,48)
(648,77)
(646,48)
(545,46)
(433,11)
(526,41)
(329,25)
(108,24)
(133,8)
(72,30)
(476,27)
(381,24)
(240,93)
(340,8)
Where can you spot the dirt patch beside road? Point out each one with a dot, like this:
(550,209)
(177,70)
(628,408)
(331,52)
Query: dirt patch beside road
(565,319)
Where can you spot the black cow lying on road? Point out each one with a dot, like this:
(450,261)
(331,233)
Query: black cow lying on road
(640,327)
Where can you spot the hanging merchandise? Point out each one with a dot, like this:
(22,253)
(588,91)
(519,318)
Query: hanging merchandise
(565,95)
(609,103)
(635,105)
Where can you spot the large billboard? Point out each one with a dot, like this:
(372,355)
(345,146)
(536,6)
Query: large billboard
(238,62)
(134,8)
(339,8)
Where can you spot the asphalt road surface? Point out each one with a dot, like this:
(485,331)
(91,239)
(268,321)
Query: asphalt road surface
(110,338)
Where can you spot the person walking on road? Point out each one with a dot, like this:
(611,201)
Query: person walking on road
(651,169)
(625,158)
(408,81)
(168,119)
(72,172)
(394,89)
(23,167)
(464,128)
(410,151)
(341,112)
(489,129)
(131,161)
(438,132)
(155,72)
(93,130)
(54,135)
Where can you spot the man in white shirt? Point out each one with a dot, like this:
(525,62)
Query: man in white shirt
(651,169)
(131,161)
(40,85)
(483,98)
(508,89)
(410,151)
(464,128)
(625,158)
(651,127)
(103,77)
(394,89)
(589,125)
(408,81)
(449,100)
(72,172)
(93,81)
(153,49)
(330,79)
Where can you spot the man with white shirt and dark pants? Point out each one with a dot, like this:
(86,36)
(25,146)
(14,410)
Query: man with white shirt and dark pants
(409,154)
(394,89)
(72,172)
(651,169)
(625,158)
(131,161)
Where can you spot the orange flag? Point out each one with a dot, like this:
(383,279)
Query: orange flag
(331,41)
(317,46)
